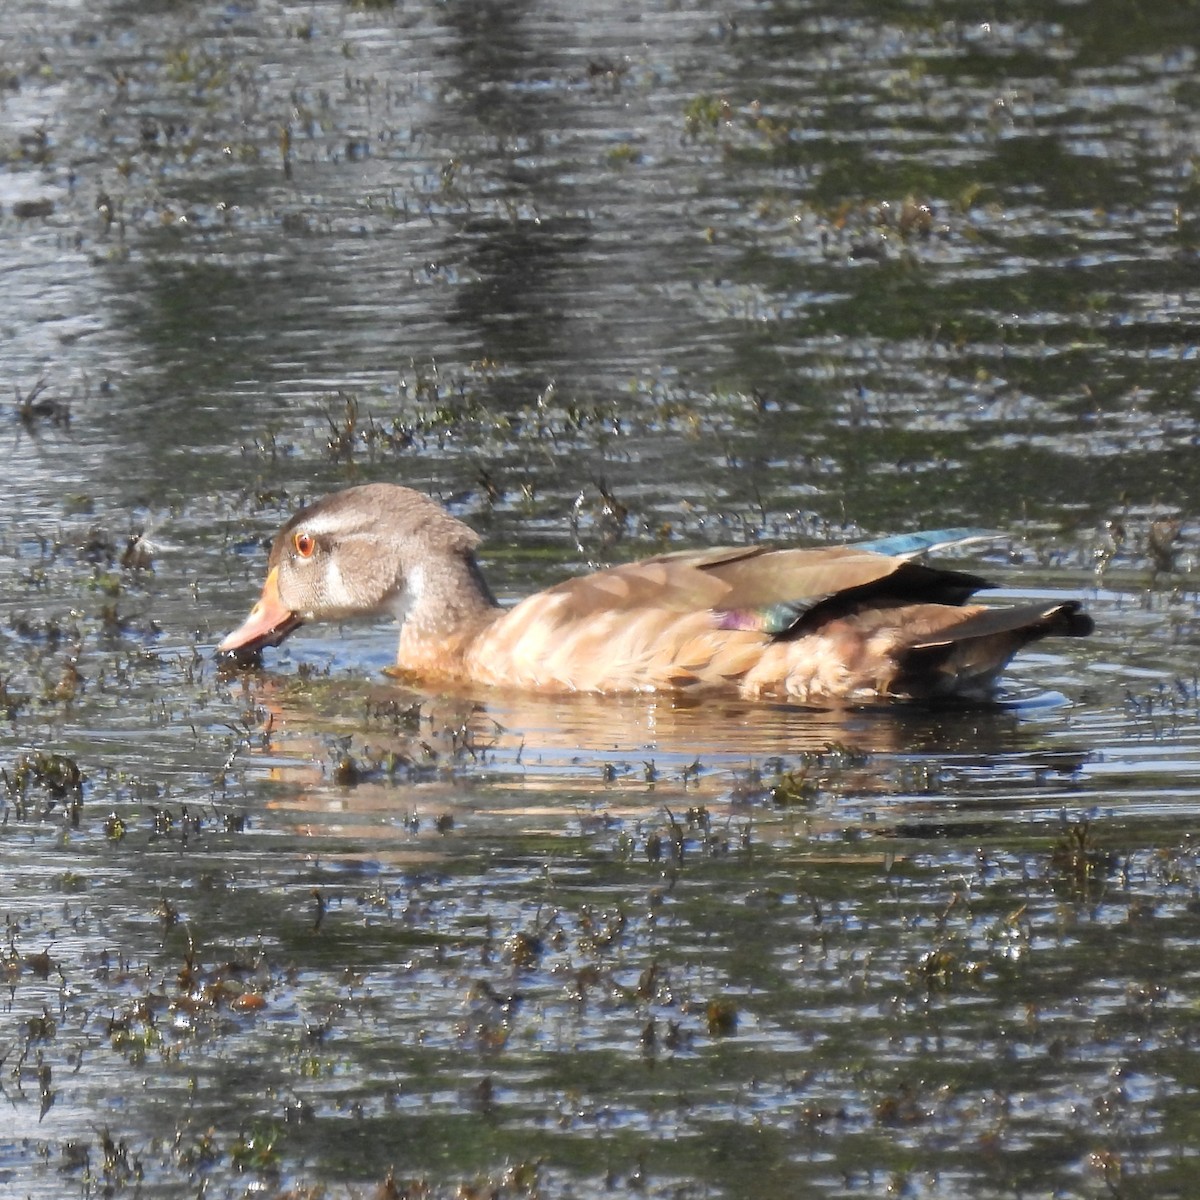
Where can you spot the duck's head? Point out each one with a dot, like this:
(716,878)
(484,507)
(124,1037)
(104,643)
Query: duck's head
(365,551)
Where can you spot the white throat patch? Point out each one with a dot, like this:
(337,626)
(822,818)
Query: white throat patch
(404,600)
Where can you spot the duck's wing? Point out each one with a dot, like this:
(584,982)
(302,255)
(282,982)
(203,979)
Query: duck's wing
(926,541)
(776,592)
(786,593)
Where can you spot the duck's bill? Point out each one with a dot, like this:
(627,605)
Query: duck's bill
(269,622)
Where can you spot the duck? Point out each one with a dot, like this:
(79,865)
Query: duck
(826,625)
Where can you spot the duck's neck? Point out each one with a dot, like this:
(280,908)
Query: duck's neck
(446,604)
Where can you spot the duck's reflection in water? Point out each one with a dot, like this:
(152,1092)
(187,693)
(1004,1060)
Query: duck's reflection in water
(381,757)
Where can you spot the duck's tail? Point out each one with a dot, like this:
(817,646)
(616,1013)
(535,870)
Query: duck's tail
(966,657)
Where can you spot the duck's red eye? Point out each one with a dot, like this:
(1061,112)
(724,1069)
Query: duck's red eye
(305,544)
